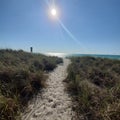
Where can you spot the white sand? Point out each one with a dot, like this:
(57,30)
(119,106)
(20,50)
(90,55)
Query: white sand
(55,103)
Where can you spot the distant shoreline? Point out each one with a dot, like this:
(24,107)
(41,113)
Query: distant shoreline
(116,57)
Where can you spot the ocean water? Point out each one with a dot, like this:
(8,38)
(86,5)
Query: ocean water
(81,55)
(56,54)
(95,55)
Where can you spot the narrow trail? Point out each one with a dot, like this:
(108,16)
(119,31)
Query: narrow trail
(55,103)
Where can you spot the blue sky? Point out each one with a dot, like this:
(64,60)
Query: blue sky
(95,25)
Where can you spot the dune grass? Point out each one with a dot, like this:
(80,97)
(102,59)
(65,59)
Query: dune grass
(95,85)
(22,75)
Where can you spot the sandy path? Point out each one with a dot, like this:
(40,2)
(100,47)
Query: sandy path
(55,103)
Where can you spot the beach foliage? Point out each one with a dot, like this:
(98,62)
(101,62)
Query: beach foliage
(22,75)
(94,83)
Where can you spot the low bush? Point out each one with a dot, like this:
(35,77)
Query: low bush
(22,75)
(95,83)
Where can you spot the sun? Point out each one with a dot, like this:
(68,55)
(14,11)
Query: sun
(53,12)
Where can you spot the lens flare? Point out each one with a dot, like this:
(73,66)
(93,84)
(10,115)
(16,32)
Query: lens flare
(53,12)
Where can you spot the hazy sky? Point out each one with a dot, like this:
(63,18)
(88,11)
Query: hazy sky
(88,26)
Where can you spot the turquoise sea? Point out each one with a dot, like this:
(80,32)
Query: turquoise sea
(96,55)
(81,55)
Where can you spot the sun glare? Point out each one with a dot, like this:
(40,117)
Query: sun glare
(53,12)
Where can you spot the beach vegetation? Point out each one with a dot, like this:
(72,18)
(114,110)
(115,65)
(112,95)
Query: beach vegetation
(94,84)
(22,75)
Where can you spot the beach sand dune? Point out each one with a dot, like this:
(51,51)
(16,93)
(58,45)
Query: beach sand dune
(55,103)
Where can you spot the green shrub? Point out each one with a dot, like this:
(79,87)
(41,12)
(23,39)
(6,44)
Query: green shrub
(95,84)
(21,76)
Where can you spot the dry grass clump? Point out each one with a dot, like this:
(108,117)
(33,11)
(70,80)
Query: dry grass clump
(95,83)
(22,75)
(8,108)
